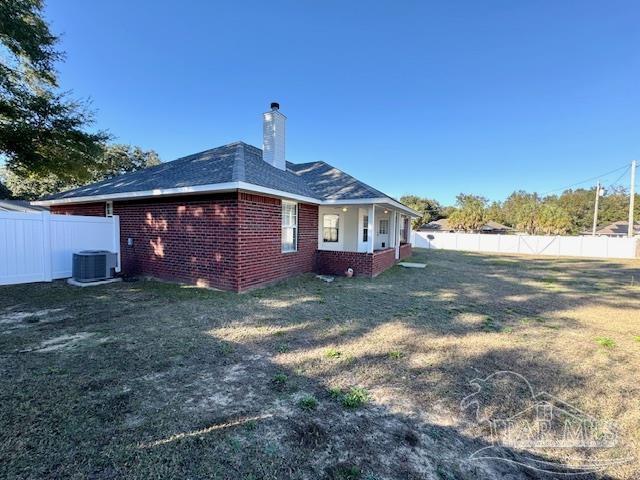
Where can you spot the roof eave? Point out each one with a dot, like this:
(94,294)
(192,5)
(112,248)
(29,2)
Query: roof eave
(160,192)
(220,188)
(376,200)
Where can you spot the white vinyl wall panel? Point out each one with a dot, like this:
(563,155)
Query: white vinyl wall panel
(37,247)
(583,246)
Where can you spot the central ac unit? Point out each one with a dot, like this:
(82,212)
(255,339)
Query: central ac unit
(94,265)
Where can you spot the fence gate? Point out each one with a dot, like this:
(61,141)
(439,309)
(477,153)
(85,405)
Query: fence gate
(38,247)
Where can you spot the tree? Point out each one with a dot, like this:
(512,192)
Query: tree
(447,211)
(115,160)
(470,213)
(495,212)
(614,206)
(579,205)
(42,132)
(119,159)
(429,209)
(4,190)
(553,220)
(520,211)
(32,187)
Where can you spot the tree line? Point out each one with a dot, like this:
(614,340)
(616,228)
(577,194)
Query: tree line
(570,212)
(46,141)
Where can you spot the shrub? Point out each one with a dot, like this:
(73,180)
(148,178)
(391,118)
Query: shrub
(335,393)
(490,325)
(344,472)
(606,342)
(279,379)
(308,402)
(333,353)
(355,397)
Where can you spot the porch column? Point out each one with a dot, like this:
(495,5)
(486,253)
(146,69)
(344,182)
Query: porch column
(372,230)
(396,233)
(392,229)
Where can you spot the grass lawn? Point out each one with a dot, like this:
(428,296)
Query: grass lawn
(356,379)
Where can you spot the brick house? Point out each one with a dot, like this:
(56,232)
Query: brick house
(237,217)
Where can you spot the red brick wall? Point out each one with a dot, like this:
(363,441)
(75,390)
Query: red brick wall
(260,258)
(230,241)
(336,263)
(189,239)
(363,264)
(405,251)
(90,209)
(382,260)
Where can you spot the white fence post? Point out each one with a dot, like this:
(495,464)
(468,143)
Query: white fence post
(46,247)
(116,240)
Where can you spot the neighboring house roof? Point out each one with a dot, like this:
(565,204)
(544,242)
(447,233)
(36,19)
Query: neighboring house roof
(443,225)
(619,228)
(491,225)
(236,165)
(20,206)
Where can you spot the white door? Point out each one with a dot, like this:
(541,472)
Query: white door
(382,237)
(363,230)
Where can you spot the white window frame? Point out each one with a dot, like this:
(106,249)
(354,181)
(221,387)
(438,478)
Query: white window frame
(365,228)
(385,222)
(108,209)
(337,228)
(403,230)
(289,223)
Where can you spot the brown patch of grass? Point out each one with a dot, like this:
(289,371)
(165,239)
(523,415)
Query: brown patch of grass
(195,383)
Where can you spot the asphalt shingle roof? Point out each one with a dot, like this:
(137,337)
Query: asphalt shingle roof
(236,162)
(23,206)
(619,228)
(329,183)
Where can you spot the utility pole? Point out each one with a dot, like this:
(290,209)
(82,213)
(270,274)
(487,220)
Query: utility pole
(632,197)
(595,211)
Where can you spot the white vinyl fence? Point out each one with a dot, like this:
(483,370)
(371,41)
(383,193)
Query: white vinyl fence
(38,247)
(582,246)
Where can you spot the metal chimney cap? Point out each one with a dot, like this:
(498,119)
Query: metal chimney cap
(275,106)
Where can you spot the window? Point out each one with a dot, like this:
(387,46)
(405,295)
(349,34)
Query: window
(384,227)
(289,226)
(365,228)
(330,224)
(108,209)
(403,230)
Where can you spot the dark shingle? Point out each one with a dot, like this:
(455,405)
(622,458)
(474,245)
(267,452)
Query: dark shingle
(211,166)
(236,162)
(329,183)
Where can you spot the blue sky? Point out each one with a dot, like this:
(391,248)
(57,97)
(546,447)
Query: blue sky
(431,98)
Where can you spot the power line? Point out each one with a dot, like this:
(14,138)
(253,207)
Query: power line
(587,180)
(619,178)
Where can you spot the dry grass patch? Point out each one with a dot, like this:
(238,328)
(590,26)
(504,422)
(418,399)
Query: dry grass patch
(354,379)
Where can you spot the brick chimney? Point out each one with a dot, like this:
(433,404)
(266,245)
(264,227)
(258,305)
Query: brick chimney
(273,133)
